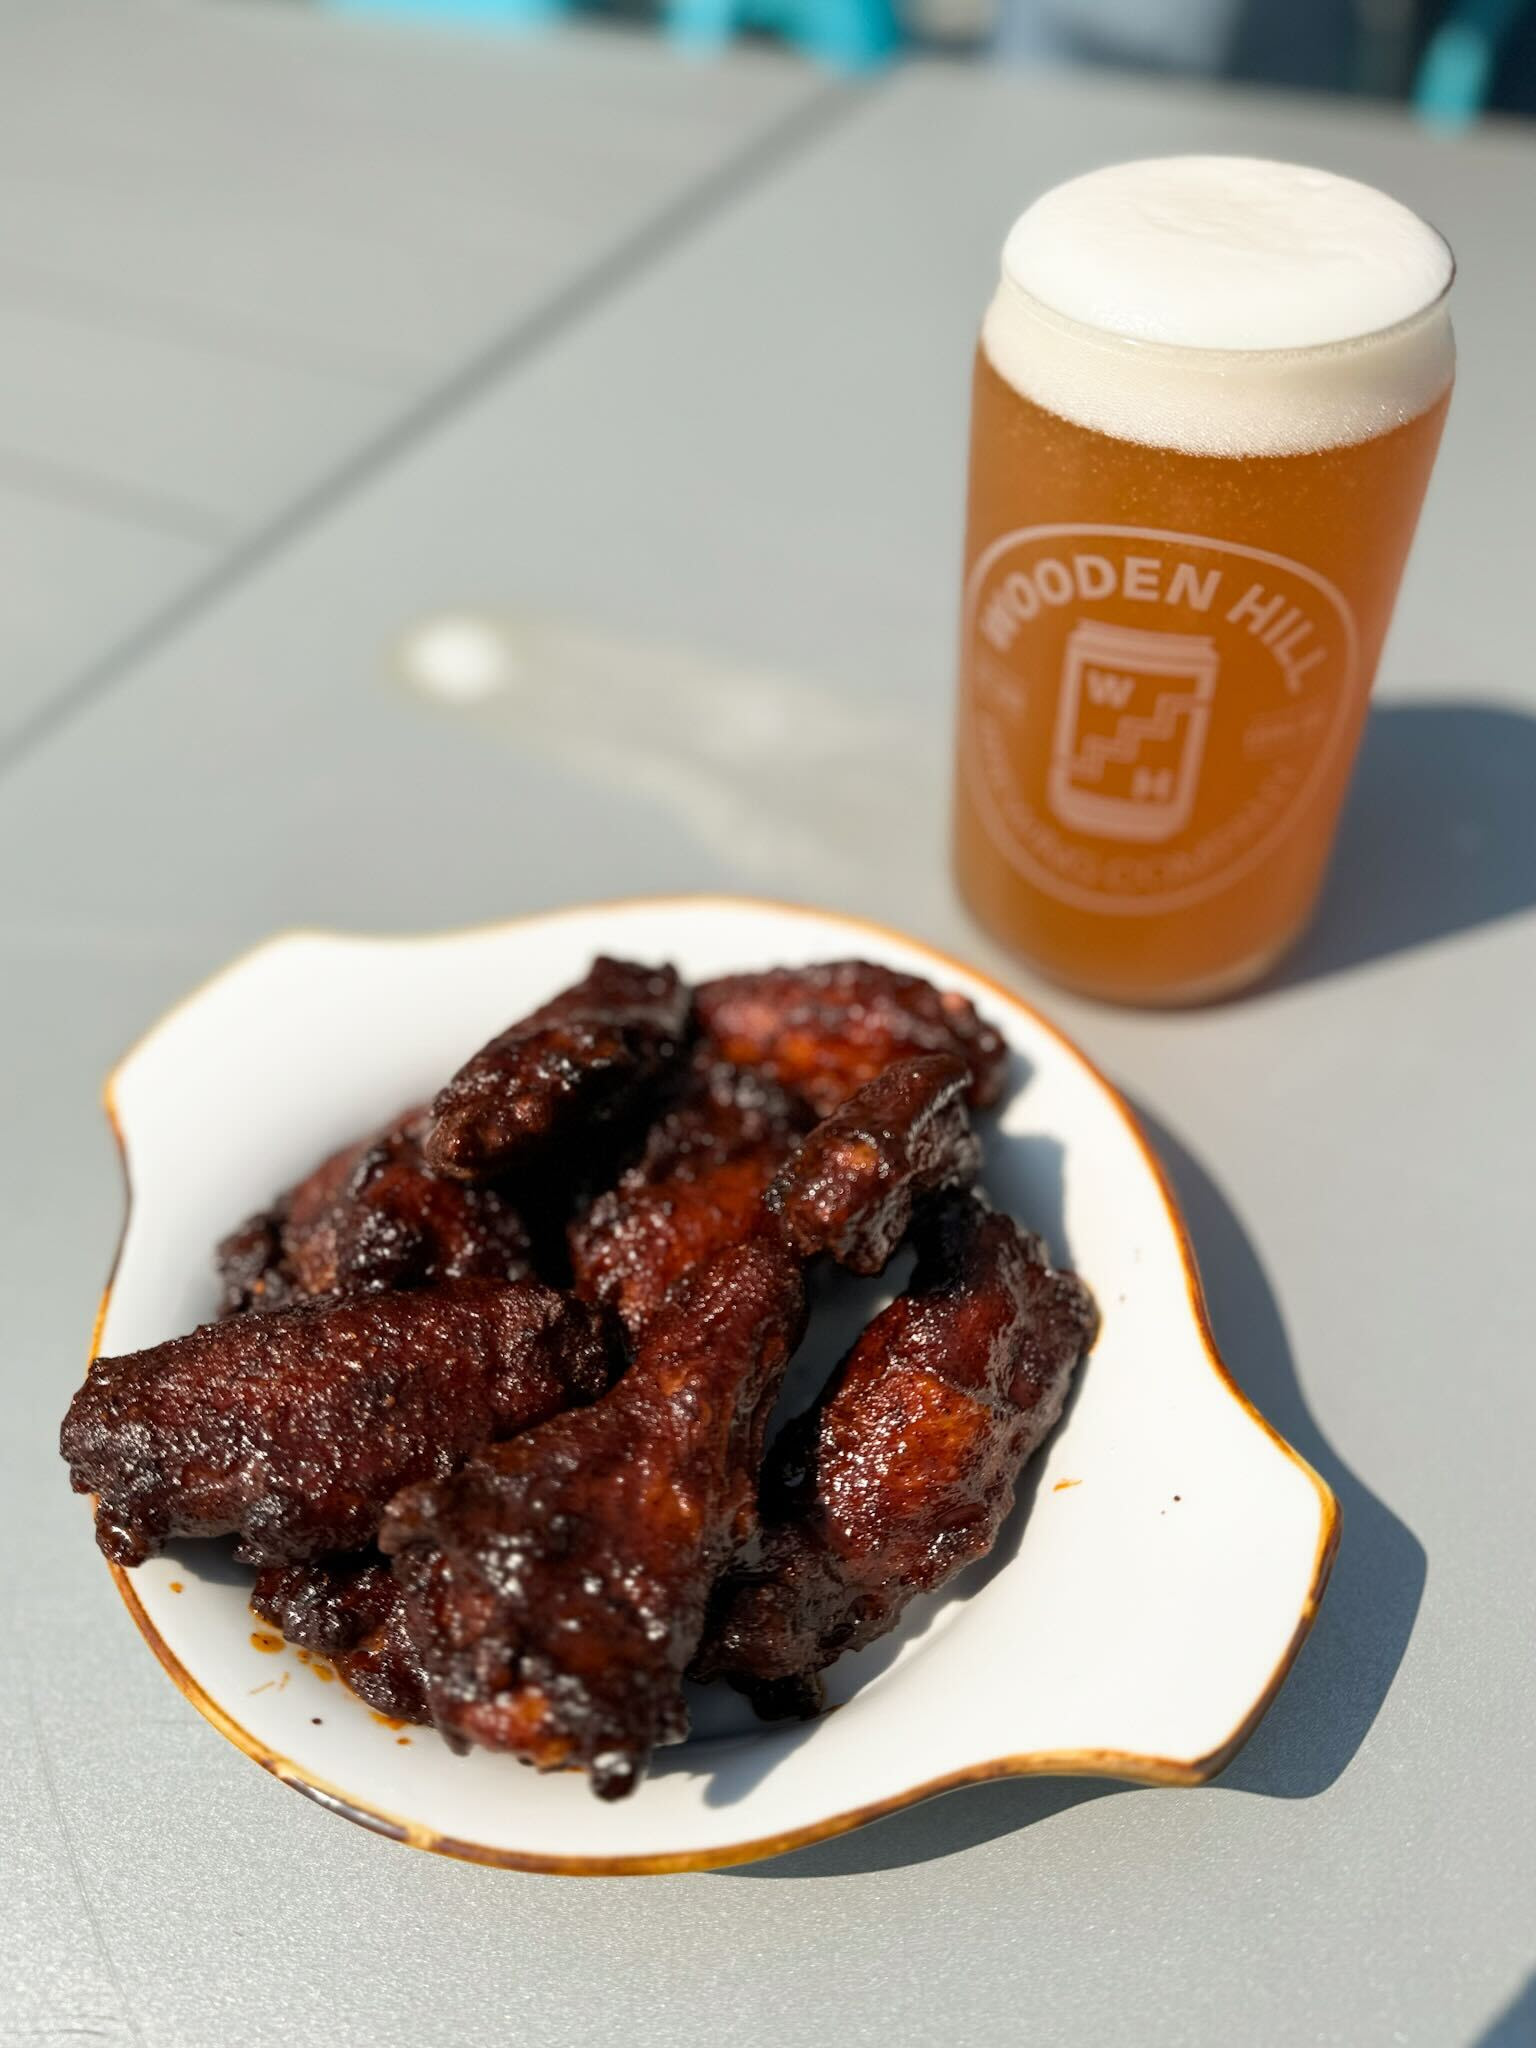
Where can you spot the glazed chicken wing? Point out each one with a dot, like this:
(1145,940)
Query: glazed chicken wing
(563,1075)
(329,1605)
(823,1031)
(371,1217)
(556,1586)
(850,1189)
(292,1428)
(349,1609)
(697,1189)
(905,1469)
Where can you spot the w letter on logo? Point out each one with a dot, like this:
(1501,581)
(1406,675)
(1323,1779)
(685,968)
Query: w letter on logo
(1105,687)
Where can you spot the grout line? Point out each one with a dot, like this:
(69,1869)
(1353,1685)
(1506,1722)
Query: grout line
(703,202)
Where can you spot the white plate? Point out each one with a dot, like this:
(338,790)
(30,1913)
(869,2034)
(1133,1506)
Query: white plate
(1140,1610)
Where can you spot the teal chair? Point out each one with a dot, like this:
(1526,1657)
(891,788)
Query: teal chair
(1456,73)
(848,35)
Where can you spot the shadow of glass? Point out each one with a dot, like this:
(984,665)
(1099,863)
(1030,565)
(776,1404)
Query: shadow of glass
(1325,1709)
(1438,836)
(1515,2026)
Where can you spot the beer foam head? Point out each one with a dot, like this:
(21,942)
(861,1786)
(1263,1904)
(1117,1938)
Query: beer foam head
(1224,305)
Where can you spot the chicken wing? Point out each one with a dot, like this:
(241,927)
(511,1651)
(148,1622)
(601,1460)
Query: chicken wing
(850,1189)
(823,1031)
(372,1216)
(905,1469)
(292,1428)
(349,1609)
(330,1604)
(697,1189)
(562,1075)
(556,1587)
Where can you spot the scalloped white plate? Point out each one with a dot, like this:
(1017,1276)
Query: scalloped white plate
(1138,1614)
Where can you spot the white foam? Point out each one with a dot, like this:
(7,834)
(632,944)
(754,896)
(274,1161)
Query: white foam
(1224,305)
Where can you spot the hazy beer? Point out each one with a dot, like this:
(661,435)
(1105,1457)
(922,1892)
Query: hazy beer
(1207,399)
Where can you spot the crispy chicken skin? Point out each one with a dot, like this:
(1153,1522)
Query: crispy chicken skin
(904,1470)
(292,1428)
(850,1189)
(329,1605)
(556,1587)
(383,1669)
(697,1188)
(563,1075)
(350,1610)
(824,1031)
(371,1217)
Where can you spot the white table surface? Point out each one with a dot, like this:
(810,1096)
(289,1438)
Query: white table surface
(247,250)
(750,451)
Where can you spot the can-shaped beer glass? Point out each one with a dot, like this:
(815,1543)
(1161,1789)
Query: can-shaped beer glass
(1207,400)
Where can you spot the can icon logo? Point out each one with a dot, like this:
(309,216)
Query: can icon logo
(1131,720)
(1145,713)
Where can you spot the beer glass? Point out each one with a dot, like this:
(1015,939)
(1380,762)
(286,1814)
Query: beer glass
(1207,399)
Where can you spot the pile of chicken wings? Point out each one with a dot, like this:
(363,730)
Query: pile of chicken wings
(487,1401)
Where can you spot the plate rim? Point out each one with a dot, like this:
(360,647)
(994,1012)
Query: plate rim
(1126,1766)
